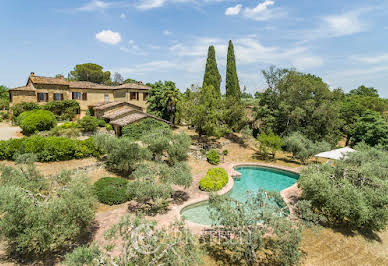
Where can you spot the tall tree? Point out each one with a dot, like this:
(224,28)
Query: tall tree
(232,84)
(365,91)
(212,77)
(90,72)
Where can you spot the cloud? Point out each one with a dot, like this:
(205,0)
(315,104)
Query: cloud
(108,36)
(371,59)
(149,4)
(233,11)
(344,24)
(262,11)
(94,5)
(123,16)
(133,48)
(167,32)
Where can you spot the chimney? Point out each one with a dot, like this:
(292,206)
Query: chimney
(140,82)
(32,74)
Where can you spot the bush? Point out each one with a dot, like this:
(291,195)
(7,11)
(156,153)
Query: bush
(68,125)
(63,110)
(269,144)
(36,120)
(50,213)
(136,130)
(302,148)
(64,132)
(48,148)
(214,180)
(88,124)
(101,123)
(111,190)
(83,256)
(213,157)
(108,127)
(4,115)
(19,108)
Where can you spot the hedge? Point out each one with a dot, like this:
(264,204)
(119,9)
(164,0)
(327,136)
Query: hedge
(36,120)
(111,190)
(214,180)
(48,148)
(63,110)
(213,157)
(136,130)
(19,108)
(88,123)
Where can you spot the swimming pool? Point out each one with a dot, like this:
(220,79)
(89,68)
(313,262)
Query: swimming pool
(252,179)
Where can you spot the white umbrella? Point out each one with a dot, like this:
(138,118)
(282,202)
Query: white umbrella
(335,154)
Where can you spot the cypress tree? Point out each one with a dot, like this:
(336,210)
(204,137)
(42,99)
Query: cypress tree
(212,77)
(232,84)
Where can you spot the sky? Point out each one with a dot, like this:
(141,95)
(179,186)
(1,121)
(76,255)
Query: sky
(344,42)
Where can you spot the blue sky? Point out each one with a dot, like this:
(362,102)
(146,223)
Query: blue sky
(344,42)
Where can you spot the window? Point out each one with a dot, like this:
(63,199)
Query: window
(58,96)
(42,97)
(76,95)
(134,96)
(84,96)
(145,95)
(106,98)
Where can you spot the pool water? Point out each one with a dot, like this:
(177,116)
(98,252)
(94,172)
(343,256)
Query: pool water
(252,179)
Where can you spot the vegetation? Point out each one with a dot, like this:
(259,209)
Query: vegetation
(269,144)
(19,108)
(4,98)
(111,190)
(50,214)
(371,128)
(88,123)
(232,84)
(351,193)
(36,120)
(63,110)
(89,72)
(212,77)
(214,180)
(163,100)
(48,149)
(213,157)
(303,148)
(144,244)
(137,130)
(239,235)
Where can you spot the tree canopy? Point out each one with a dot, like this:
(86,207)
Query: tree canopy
(212,77)
(232,83)
(90,72)
(365,91)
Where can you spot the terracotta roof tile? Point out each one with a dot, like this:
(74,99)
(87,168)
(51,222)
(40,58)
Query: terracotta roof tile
(23,88)
(133,117)
(48,80)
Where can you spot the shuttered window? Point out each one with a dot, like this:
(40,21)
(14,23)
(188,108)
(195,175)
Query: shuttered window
(134,96)
(76,95)
(58,96)
(42,97)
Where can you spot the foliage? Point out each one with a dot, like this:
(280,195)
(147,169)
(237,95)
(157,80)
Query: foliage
(370,128)
(213,157)
(71,132)
(36,120)
(352,192)
(122,155)
(301,102)
(232,84)
(212,77)
(68,125)
(48,148)
(364,91)
(142,243)
(163,100)
(234,114)
(108,127)
(83,256)
(269,144)
(50,214)
(89,72)
(88,123)
(242,229)
(19,108)
(101,122)
(138,129)
(214,180)
(63,110)
(4,98)
(302,148)
(178,148)
(111,190)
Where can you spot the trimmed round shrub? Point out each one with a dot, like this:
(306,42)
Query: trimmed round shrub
(88,123)
(214,180)
(136,130)
(213,157)
(111,190)
(36,120)
(101,123)
(108,127)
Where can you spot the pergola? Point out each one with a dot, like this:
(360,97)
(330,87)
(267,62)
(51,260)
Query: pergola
(336,154)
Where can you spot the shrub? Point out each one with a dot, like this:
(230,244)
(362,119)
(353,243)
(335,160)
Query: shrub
(269,144)
(48,148)
(225,152)
(179,148)
(138,129)
(88,124)
(213,157)
(101,123)
(4,115)
(111,190)
(214,180)
(83,256)
(50,215)
(19,108)
(108,127)
(64,132)
(68,125)
(36,120)
(63,110)
(302,148)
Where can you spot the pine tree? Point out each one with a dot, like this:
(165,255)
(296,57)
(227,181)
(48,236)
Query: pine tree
(212,77)
(232,84)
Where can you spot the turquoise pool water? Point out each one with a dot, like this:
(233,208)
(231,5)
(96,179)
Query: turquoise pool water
(252,179)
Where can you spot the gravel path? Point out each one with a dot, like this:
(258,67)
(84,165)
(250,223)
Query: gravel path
(8,132)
